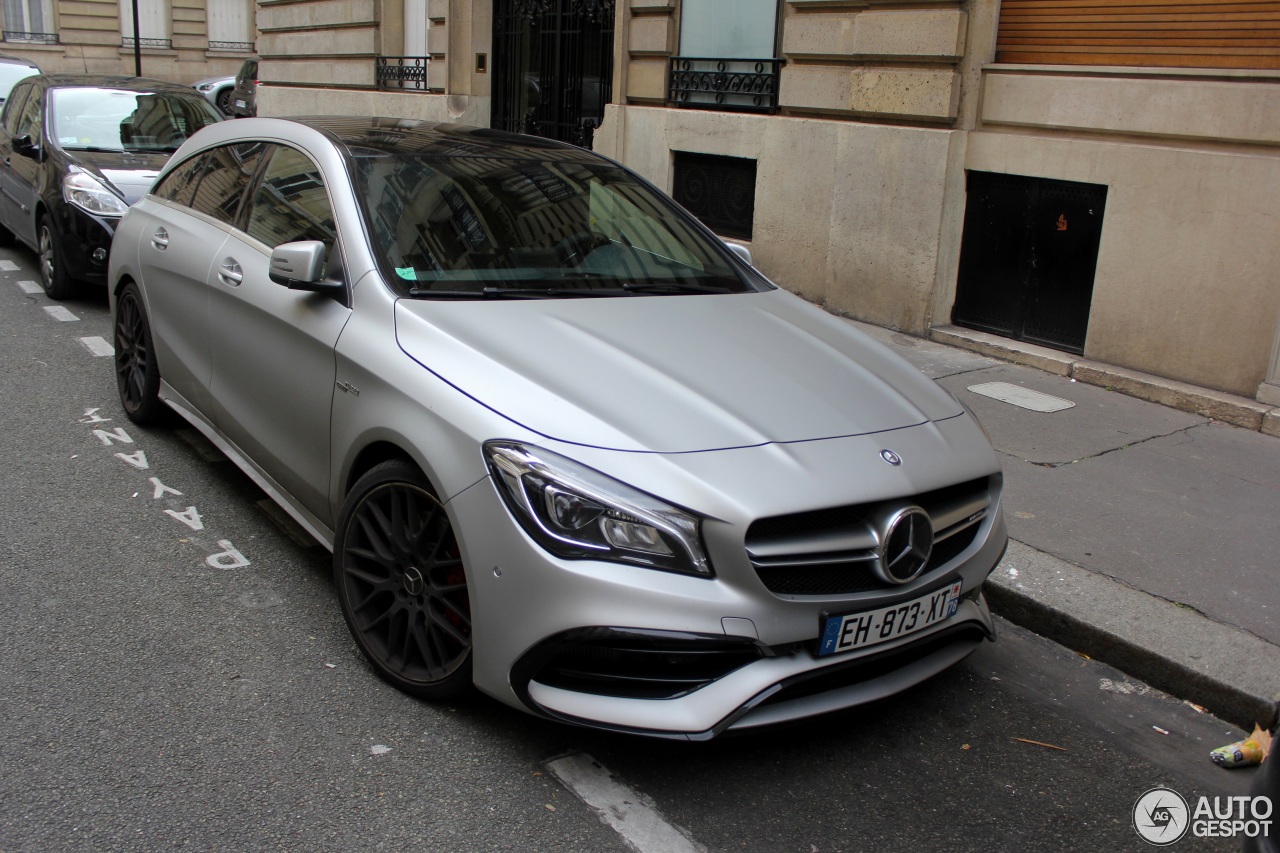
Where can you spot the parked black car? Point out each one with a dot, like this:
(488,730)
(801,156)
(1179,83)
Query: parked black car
(244,97)
(75,152)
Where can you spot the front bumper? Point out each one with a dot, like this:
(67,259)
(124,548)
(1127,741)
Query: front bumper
(669,655)
(85,241)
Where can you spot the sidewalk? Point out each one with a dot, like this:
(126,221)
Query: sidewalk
(1142,535)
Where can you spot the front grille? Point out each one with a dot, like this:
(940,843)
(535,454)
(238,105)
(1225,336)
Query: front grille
(638,665)
(833,551)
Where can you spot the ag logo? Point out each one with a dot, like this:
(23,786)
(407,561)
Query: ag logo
(1161,816)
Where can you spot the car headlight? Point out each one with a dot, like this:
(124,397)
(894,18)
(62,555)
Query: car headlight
(578,513)
(91,195)
(206,87)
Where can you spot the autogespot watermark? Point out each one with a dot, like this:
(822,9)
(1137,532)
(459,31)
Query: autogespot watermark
(1163,817)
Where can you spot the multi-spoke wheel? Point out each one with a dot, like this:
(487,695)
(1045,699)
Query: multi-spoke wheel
(401,584)
(53,272)
(224,100)
(137,376)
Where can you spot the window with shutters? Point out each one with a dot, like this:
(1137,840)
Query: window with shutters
(29,21)
(153,23)
(1170,33)
(230,24)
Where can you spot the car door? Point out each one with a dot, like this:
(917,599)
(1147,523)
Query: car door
(273,354)
(20,173)
(185,222)
(8,124)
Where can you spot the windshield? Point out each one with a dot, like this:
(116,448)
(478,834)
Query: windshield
(118,120)
(475,227)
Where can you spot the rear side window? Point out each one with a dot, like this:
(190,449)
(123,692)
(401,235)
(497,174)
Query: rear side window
(180,184)
(213,182)
(224,175)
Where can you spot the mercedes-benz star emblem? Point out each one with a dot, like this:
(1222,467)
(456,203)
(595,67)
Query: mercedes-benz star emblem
(904,550)
(890,457)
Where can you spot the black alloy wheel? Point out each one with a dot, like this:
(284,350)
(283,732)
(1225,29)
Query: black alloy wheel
(53,272)
(223,99)
(137,376)
(401,583)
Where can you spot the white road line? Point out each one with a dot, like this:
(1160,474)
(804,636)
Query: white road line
(9,266)
(31,287)
(632,815)
(57,312)
(98,346)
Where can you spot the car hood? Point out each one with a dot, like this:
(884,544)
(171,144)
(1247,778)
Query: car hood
(670,373)
(129,173)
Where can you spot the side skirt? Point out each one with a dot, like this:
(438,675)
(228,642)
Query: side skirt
(309,522)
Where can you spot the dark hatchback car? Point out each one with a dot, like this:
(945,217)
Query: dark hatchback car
(75,152)
(243,102)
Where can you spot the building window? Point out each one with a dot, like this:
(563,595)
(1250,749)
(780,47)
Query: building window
(727,55)
(230,24)
(720,191)
(153,23)
(29,21)
(1167,34)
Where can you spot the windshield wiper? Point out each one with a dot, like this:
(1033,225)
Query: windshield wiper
(514,292)
(97,148)
(673,287)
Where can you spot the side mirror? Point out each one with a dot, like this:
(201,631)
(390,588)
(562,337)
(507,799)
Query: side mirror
(741,251)
(300,266)
(24,146)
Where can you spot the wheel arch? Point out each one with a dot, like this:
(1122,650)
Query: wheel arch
(375,453)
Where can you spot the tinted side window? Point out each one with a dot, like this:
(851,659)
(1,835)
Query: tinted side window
(222,177)
(291,203)
(180,184)
(31,119)
(13,108)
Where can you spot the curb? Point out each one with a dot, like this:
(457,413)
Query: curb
(1226,670)
(1216,405)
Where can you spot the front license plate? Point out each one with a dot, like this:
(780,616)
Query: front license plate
(859,630)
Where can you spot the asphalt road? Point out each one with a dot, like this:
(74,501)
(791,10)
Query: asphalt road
(164,687)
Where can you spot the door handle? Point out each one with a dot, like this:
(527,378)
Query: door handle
(160,239)
(230,273)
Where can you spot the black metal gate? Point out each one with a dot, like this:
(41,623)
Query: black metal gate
(552,67)
(1028,256)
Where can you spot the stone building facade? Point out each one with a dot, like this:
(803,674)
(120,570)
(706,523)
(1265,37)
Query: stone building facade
(181,40)
(1097,178)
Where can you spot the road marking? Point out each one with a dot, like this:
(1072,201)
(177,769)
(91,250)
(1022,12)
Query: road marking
(98,346)
(631,815)
(9,266)
(1024,398)
(31,287)
(57,312)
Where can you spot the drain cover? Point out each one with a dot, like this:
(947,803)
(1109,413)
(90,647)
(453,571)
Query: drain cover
(1025,398)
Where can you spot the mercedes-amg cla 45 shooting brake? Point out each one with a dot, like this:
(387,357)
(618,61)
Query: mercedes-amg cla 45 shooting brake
(565,444)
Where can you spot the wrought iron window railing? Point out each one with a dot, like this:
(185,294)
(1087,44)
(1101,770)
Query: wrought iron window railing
(31,38)
(724,84)
(402,72)
(162,44)
(246,46)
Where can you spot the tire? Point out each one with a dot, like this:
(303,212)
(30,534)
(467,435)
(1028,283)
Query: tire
(6,237)
(53,271)
(223,100)
(402,585)
(137,374)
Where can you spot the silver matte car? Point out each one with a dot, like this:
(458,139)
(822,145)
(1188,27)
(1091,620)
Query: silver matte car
(565,444)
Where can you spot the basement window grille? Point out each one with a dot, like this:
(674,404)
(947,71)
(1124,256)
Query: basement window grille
(720,191)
